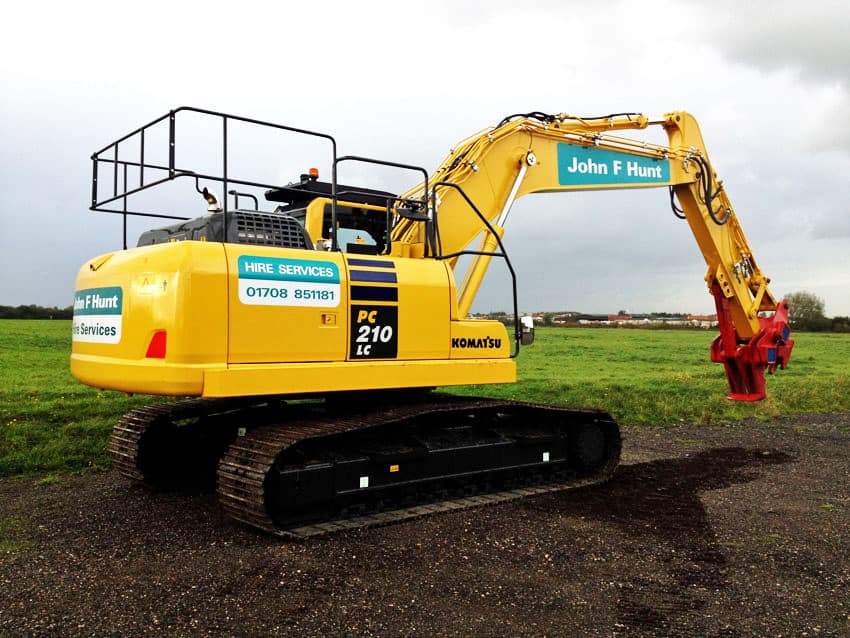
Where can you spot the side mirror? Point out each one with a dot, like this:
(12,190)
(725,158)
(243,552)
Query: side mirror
(527,336)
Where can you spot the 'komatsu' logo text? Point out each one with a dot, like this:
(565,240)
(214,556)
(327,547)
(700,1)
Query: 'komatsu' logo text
(481,342)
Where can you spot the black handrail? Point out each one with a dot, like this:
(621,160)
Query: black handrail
(503,254)
(225,178)
(390,201)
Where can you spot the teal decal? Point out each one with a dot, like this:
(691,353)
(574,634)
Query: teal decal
(98,301)
(97,315)
(589,166)
(278,269)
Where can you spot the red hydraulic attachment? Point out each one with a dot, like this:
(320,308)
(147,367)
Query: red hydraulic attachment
(745,362)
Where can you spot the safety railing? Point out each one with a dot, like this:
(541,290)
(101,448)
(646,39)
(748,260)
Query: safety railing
(127,175)
(502,254)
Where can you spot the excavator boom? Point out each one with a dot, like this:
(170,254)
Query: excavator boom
(537,153)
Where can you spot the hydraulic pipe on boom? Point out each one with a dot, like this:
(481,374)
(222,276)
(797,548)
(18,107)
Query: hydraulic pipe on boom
(553,153)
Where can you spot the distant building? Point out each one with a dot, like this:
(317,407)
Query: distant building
(703,321)
(639,320)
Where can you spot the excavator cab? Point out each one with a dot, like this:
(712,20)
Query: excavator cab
(362,216)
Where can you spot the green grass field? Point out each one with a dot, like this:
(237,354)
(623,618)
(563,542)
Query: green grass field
(50,424)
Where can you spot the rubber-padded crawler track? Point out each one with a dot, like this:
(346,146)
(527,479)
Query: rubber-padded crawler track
(450,505)
(124,445)
(243,470)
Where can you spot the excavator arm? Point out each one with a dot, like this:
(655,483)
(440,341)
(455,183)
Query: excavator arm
(536,153)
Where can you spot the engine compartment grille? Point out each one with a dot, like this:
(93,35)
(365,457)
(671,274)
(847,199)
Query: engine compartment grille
(270,230)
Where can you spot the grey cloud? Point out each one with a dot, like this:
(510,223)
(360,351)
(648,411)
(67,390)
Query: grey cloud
(810,38)
(806,40)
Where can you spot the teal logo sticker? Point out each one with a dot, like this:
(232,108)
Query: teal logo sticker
(583,166)
(275,281)
(98,315)
(277,269)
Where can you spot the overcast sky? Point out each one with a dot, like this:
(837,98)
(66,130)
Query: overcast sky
(403,81)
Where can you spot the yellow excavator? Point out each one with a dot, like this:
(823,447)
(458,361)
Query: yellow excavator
(309,337)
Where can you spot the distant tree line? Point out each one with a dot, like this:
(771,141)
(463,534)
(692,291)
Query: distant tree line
(35,312)
(806,312)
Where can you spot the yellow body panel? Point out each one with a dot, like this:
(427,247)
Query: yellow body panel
(424,307)
(142,376)
(249,320)
(171,287)
(265,328)
(246,380)
(474,339)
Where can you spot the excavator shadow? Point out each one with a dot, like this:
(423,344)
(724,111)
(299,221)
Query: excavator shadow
(663,497)
(661,502)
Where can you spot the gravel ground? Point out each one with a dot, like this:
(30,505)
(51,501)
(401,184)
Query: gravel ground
(741,530)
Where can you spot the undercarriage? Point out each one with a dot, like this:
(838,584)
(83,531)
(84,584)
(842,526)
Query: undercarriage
(300,468)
